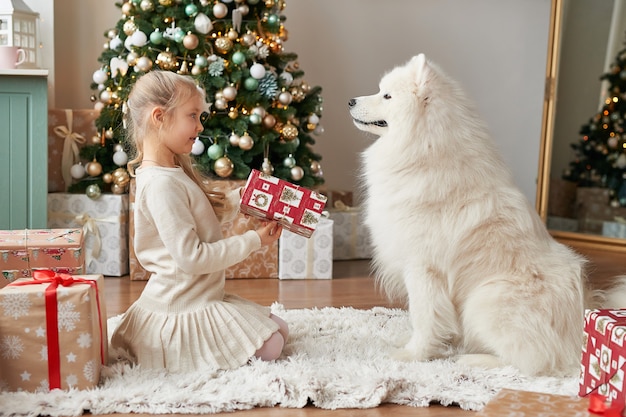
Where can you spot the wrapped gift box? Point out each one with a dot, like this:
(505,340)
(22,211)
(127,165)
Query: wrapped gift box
(350,236)
(593,209)
(514,403)
(53,332)
(297,208)
(262,263)
(604,355)
(22,251)
(336,197)
(300,258)
(615,229)
(105,227)
(68,131)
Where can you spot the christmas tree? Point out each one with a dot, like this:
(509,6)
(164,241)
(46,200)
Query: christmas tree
(263,113)
(601,151)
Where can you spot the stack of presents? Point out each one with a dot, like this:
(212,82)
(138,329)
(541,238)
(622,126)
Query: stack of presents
(585,210)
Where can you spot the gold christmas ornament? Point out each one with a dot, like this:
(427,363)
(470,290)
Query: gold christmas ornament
(166,60)
(246,142)
(93,168)
(223,167)
(248,39)
(190,41)
(269,121)
(165,2)
(289,131)
(232,35)
(129,27)
(233,113)
(315,167)
(127,8)
(121,177)
(116,189)
(223,45)
(107,178)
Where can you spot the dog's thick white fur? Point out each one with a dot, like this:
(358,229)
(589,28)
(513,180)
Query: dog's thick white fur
(456,238)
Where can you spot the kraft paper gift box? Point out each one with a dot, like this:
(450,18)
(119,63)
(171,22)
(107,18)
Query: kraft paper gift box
(262,263)
(297,208)
(337,196)
(105,228)
(22,251)
(350,236)
(53,332)
(603,359)
(593,208)
(68,131)
(301,258)
(514,403)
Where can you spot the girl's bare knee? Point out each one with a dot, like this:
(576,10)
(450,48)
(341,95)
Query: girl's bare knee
(272,348)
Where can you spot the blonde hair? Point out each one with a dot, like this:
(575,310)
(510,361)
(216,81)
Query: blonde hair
(167,90)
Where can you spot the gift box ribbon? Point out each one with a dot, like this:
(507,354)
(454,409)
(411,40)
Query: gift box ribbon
(55,280)
(90,226)
(70,147)
(354,235)
(598,405)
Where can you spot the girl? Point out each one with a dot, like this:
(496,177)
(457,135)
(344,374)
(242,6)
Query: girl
(183,320)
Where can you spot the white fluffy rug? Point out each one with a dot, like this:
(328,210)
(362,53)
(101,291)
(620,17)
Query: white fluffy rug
(335,358)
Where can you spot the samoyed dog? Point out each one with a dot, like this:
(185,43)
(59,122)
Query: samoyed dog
(452,234)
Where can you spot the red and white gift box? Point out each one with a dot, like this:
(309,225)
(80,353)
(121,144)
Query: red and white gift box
(604,356)
(53,332)
(297,208)
(23,251)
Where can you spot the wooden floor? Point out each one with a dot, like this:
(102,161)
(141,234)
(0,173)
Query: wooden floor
(353,286)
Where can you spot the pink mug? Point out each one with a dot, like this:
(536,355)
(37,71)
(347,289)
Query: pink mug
(11,57)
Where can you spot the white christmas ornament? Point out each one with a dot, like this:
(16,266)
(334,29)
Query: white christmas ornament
(115,43)
(202,23)
(139,38)
(257,71)
(286,77)
(120,158)
(100,77)
(198,147)
(77,171)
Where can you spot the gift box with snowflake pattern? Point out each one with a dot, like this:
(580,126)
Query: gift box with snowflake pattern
(302,258)
(350,236)
(22,251)
(105,224)
(603,360)
(297,208)
(53,333)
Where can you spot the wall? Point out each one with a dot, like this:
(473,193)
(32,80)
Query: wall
(495,48)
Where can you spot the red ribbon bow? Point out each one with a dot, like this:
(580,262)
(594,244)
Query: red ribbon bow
(52,326)
(598,405)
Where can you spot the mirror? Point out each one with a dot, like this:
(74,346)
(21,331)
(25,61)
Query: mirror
(585,38)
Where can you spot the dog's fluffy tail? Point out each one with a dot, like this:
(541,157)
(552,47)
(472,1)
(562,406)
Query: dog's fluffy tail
(614,297)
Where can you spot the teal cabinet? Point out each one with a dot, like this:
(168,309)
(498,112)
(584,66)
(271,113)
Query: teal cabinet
(23,149)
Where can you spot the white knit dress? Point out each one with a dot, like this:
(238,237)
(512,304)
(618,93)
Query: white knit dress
(183,320)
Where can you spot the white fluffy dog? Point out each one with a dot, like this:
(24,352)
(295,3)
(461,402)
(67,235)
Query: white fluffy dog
(455,237)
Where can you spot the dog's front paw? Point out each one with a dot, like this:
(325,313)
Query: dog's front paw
(407,354)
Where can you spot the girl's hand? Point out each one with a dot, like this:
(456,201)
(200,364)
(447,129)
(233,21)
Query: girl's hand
(269,232)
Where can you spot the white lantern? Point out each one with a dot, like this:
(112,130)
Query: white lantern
(18,27)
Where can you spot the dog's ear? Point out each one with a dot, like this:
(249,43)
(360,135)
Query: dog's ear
(419,67)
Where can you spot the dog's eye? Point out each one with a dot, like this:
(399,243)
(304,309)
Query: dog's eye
(387,96)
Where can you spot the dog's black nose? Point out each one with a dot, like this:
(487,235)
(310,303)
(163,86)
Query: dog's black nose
(351,102)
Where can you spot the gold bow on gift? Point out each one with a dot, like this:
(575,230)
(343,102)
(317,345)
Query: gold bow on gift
(70,147)
(90,226)
(341,206)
